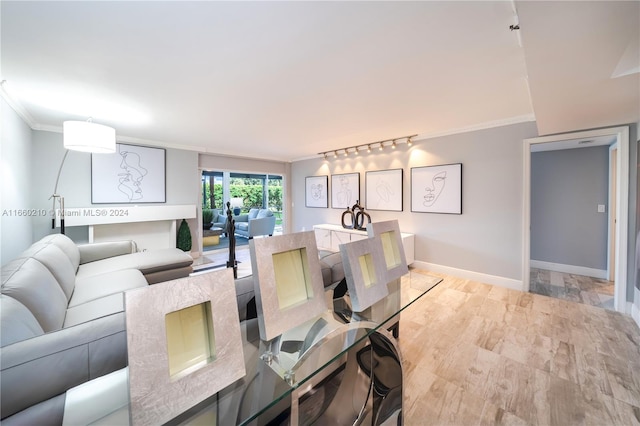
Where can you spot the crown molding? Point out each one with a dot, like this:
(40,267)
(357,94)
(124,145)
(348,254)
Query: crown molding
(480,126)
(17,107)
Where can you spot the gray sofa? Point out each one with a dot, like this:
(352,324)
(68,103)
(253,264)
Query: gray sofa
(255,223)
(62,319)
(219,219)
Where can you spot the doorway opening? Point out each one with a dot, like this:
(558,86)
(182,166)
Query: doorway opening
(616,266)
(244,192)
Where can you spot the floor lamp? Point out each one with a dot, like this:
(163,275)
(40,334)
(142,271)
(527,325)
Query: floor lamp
(85,136)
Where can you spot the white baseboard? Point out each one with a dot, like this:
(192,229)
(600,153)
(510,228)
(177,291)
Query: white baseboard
(470,275)
(569,269)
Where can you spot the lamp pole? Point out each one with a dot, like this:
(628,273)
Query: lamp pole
(55,196)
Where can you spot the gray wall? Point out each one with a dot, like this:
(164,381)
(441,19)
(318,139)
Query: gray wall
(17,178)
(182,181)
(486,238)
(566,187)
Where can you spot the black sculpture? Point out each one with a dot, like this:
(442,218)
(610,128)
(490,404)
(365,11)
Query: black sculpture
(231,234)
(357,215)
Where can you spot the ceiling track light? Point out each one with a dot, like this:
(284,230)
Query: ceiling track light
(367,146)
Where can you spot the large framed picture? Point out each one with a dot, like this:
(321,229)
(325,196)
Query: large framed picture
(316,191)
(133,174)
(384,190)
(345,190)
(437,189)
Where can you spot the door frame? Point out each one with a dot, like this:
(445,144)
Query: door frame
(622,205)
(611,211)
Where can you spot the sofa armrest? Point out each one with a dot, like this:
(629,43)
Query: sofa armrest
(99,251)
(40,368)
(262,226)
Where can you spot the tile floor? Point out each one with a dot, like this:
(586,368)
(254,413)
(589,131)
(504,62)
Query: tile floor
(476,354)
(576,288)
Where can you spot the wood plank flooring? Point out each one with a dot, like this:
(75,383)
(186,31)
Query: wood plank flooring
(476,354)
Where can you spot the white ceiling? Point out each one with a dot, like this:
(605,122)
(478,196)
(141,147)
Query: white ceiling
(286,80)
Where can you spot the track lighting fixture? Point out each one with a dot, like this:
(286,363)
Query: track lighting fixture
(381,145)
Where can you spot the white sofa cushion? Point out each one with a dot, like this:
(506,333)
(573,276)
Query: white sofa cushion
(93,309)
(17,322)
(146,262)
(32,284)
(98,286)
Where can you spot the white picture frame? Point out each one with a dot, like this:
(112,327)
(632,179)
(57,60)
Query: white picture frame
(384,190)
(365,272)
(133,174)
(275,278)
(437,189)
(157,395)
(316,191)
(345,190)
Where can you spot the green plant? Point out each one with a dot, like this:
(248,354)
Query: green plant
(207,216)
(183,239)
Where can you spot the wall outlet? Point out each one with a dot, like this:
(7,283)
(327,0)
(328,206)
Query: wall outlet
(600,208)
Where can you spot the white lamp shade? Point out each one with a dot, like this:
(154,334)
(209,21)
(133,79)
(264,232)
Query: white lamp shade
(88,137)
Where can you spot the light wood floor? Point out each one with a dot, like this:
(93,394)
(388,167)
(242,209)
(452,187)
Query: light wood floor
(476,354)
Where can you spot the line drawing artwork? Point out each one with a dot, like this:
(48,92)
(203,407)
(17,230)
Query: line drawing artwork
(345,189)
(132,174)
(316,191)
(344,193)
(433,191)
(384,190)
(437,189)
(130,180)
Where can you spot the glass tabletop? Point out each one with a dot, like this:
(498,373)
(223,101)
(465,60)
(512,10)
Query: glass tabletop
(305,354)
(297,360)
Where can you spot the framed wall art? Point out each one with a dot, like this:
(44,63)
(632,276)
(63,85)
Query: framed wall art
(132,174)
(437,189)
(345,190)
(384,190)
(316,191)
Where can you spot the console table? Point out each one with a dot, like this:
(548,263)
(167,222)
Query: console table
(339,368)
(329,237)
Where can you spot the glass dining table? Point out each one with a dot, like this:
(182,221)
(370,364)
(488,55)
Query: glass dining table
(342,367)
